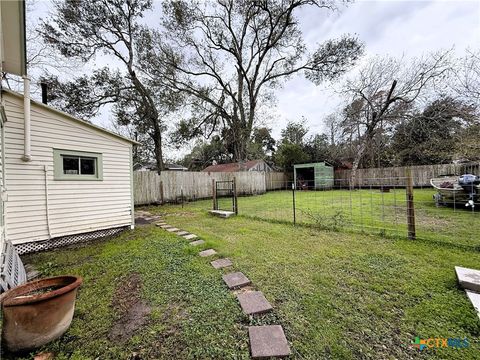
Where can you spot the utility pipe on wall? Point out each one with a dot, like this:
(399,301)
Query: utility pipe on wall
(26,117)
(47,210)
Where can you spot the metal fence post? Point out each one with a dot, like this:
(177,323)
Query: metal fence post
(293,197)
(181,195)
(410,206)
(214,195)
(235,198)
(161,192)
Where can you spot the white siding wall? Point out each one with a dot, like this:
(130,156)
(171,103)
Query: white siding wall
(74,206)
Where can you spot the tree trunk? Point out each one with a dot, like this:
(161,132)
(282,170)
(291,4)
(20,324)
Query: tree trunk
(157,140)
(356,163)
(240,149)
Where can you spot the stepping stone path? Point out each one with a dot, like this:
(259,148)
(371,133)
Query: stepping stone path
(197,242)
(190,236)
(265,341)
(268,341)
(254,302)
(172,229)
(221,263)
(208,252)
(236,280)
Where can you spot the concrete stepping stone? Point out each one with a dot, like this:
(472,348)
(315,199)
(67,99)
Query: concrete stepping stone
(254,302)
(182,232)
(197,242)
(208,252)
(268,341)
(221,213)
(236,280)
(166,226)
(475,300)
(221,263)
(161,224)
(469,279)
(190,236)
(172,229)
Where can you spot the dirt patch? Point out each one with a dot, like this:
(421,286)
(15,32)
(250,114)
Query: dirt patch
(132,310)
(145,220)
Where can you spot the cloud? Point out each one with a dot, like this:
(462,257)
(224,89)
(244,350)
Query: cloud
(397,28)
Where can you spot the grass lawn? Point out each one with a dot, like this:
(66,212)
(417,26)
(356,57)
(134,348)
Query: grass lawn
(337,295)
(367,211)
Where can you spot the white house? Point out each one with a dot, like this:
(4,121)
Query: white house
(64,179)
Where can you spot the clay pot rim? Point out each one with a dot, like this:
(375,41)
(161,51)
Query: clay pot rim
(10,298)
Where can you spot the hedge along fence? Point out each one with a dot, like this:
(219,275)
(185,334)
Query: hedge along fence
(170,186)
(395,176)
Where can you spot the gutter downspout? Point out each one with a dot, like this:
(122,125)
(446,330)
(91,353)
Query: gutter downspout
(26,116)
(47,213)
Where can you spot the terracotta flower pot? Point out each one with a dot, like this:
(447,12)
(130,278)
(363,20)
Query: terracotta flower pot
(38,312)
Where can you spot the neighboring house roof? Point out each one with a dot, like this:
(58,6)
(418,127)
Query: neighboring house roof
(175,167)
(233,167)
(70,117)
(153,166)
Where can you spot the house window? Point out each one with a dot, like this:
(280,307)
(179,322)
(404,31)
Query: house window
(77,165)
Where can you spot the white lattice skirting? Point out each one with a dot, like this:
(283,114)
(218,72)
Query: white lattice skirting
(67,240)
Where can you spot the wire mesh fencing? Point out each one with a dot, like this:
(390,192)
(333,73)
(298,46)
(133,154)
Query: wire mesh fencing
(380,206)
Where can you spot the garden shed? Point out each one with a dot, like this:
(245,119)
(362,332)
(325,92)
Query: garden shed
(313,176)
(64,179)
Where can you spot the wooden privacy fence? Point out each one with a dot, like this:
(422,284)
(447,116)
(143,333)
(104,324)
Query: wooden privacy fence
(395,176)
(170,186)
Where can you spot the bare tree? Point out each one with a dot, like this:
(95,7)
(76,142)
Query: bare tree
(384,91)
(466,82)
(228,55)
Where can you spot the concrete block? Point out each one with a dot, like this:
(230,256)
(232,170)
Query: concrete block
(475,300)
(469,279)
(190,236)
(268,341)
(222,213)
(197,242)
(236,280)
(221,263)
(208,252)
(254,302)
(172,229)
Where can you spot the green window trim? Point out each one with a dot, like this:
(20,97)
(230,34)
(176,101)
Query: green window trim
(58,172)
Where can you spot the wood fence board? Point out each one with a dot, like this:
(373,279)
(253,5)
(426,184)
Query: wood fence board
(198,185)
(395,176)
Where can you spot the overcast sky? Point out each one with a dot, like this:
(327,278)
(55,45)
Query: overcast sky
(397,28)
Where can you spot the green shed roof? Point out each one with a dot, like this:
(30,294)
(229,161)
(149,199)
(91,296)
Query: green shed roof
(321,163)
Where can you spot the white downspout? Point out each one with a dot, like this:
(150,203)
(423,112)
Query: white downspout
(26,110)
(47,210)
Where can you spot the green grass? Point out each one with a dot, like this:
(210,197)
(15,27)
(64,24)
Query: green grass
(366,211)
(193,315)
(337,295)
